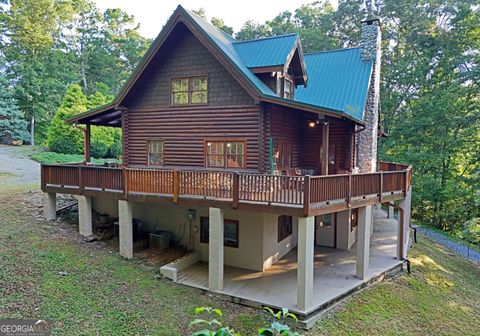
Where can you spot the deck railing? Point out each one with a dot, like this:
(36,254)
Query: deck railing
(300,191)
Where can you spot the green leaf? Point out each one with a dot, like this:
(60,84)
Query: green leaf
(199,310)
(268,309)
(218,312)
(204,332)
(198,321)
(280,327)
(265,331)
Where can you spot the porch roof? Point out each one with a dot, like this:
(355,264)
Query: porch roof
(105,115)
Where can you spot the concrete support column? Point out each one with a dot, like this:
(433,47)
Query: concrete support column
(391,212)
(84,215)
(125,223)
(215,249)
(363,240)
(403,227)
(305,249)
(50,206)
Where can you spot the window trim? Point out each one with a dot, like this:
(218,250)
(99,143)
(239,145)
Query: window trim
(147,152)
(189,92)
(225,221)
(289,232)
(287,79)
(225,141)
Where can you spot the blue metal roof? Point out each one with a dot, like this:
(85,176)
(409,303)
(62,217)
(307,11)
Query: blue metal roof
(225,43)
(338,80)
(268,51)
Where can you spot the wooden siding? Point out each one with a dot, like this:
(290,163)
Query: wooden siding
(291,126)
(183,55)
(184,133)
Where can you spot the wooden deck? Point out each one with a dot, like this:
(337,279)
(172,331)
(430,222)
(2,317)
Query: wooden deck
(296,195)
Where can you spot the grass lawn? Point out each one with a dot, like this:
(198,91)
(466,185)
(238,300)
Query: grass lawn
(39,154)
(52,158)
(102,294)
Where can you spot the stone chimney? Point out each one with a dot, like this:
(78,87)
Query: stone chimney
(366,140)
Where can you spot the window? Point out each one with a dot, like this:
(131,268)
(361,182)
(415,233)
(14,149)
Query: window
(155,151)
(325,221)
(230,231)
(221,154)
(189,91)
(287,88)
(284,227)
(354,219)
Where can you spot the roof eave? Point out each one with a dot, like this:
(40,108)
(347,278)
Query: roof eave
(311,108)
(90,113)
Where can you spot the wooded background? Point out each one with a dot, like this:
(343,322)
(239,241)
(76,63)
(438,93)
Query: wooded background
(61,57)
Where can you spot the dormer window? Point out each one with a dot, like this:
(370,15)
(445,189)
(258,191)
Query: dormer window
(287,88)
(189,91)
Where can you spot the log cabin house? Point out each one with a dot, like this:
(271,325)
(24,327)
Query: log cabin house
(258,160)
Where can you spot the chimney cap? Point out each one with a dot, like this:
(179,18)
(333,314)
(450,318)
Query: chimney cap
(370,21)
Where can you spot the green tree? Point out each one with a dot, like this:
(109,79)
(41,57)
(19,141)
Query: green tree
(217,22)
(62,137)
(29,27)
(12,125)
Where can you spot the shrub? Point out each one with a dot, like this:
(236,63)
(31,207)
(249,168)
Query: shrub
(64,138)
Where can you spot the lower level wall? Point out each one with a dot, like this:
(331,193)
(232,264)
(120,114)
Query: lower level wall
(273,250)
(173,218)
(346,237)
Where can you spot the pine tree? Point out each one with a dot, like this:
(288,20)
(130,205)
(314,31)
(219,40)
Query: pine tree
(62,137)
(12,125)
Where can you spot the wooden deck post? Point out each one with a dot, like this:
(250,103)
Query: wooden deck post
(235,190)
(87,143)
(306,196)
(380,194)
(325,145)
(125,185)
(176,186)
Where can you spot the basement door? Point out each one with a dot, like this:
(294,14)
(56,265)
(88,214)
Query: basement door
(325,230)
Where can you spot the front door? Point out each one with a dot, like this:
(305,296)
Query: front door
(325,230)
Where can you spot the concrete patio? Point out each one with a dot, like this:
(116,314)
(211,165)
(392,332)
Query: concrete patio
(334,274)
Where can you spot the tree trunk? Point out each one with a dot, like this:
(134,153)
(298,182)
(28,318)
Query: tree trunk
(32,130)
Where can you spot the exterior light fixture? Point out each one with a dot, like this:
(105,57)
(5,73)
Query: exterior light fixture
(312,124)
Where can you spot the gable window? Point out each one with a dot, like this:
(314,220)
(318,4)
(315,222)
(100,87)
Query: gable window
(284,227)
(230,231)
(287,88)
(155,152)
(189,91)
(225,154)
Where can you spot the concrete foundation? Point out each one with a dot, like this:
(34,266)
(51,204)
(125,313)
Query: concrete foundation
(50,206)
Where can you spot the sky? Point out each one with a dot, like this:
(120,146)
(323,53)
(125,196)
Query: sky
(153,14)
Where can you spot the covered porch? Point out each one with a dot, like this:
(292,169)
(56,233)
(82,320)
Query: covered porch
(335,273)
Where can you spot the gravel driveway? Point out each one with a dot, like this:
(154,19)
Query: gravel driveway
(16,168)
(450,244)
